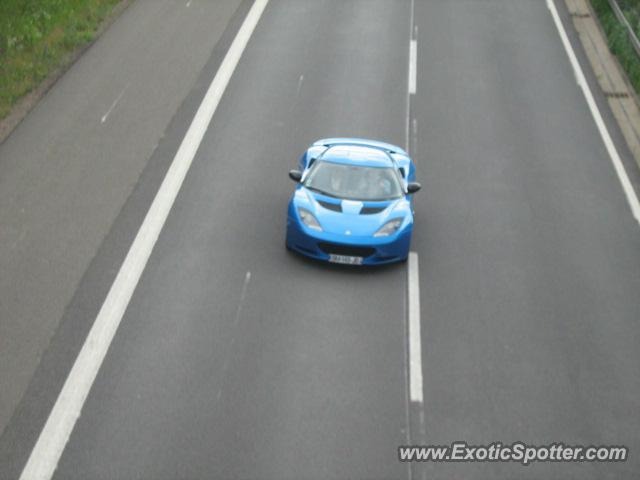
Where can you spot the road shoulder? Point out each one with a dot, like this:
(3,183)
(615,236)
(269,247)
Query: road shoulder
(67,170)
(621,97)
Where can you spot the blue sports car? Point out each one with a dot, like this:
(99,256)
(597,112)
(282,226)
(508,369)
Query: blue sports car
(353,202)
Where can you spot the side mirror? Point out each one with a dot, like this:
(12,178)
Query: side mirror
(413,187)
(295,175)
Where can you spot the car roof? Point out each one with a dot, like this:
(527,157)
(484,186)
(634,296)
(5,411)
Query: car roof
(357,155)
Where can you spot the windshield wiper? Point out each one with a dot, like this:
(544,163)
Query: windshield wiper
(321,192)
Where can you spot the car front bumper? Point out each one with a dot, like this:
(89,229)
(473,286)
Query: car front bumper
(373,250)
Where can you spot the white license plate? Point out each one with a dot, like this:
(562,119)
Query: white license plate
(345,259)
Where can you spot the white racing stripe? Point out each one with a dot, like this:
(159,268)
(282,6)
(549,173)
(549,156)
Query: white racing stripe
(60,423)
(415,338)
(629,192)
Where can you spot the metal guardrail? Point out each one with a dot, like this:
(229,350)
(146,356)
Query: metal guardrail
(632,35)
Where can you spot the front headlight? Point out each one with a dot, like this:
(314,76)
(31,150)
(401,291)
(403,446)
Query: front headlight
(389,228)
(308,219)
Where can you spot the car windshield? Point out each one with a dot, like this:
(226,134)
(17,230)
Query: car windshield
(353,182)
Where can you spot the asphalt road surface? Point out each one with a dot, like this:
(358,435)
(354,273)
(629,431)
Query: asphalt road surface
(69,167)
(237,359)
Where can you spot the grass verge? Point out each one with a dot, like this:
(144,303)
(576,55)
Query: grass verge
(39,36)
(618,38)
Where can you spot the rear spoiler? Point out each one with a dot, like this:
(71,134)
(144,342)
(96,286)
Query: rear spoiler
(387,147)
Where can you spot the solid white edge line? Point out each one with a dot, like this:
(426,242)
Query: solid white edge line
(413,58)
(415,338)
(629,192)
(61,421)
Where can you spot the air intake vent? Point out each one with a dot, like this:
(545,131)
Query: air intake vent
(336,207)
(371,210)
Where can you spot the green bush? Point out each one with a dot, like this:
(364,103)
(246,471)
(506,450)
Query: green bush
(617,35)
(37,36)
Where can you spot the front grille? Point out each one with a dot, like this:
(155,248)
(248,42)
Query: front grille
(350,250)
(336,207)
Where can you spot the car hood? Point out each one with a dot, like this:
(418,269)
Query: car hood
(350,217)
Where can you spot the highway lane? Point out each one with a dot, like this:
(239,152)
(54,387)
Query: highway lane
(530,261)
(300,372)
